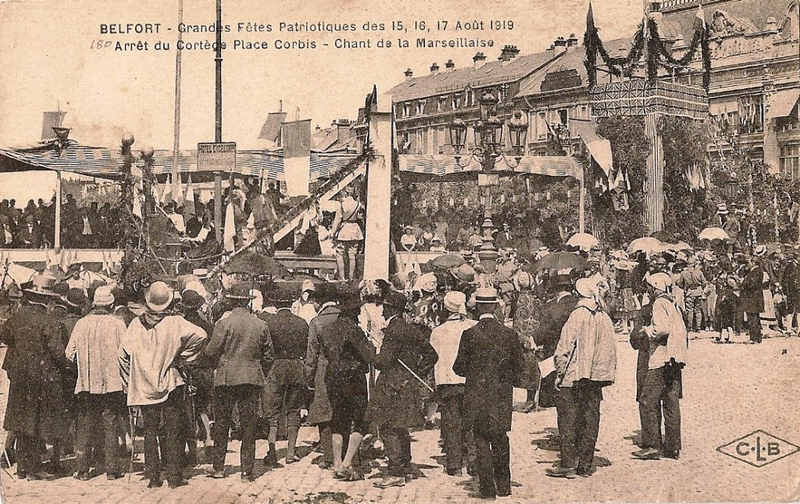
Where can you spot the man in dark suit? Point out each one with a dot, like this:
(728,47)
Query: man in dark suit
(285,383)
(397,399)
(555,314)
(243,346)
(752,300)
(28,234)
(490,357)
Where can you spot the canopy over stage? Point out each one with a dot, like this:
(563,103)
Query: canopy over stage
(107,163)
(446,166)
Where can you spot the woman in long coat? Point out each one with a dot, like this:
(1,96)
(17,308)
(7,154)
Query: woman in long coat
(35,363)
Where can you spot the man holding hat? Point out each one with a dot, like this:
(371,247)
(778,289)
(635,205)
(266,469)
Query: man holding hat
(662,390)
(585,361)
(490,357)
(405,358)
(445,339)
(99,401)
(37,406)
(242,347)
(155,344)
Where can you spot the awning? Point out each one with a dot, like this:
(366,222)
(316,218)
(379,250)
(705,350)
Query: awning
(599,147)
(107,163)
(783,102)
(444,165)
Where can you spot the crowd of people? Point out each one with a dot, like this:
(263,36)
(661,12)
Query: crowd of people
(33,227)
(184,363)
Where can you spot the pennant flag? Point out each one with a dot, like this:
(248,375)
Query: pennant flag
(137,202)
(51,120)
(188,201)
(230,228)
(297,157)
(177,193)
(699,19)
(271,130)
(167,195)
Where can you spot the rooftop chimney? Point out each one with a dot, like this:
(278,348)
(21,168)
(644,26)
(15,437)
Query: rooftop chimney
(450,66)
(409,74)
(478,60)
(434,69)
(342,129)
(560,45)
(508,53)
(572,40)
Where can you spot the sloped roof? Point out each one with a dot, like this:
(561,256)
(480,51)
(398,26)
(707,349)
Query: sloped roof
(753,13)
(572,59)
(107,163)
(491,73)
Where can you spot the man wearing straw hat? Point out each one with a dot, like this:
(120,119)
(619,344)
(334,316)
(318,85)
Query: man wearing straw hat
(490,357)
(99,400)
(445,340)
(242,346)
(153,347)
(37,408)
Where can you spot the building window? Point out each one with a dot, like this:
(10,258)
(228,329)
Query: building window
(563,116)
(406,110)
(503,93)
(751,113)
(456,101)
(420,145)
(440,104)
(541,126)
(790,161)
(420,107)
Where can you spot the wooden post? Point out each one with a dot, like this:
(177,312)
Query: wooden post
(57,236)
(379,198)
(582,202)
(654,196)
(218,206)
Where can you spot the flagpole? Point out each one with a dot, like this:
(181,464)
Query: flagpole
(176,142)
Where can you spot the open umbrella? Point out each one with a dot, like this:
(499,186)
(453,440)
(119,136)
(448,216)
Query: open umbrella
(447,261)
(556,261)
(255,264)
(677,246)
(648,245)
(713,233)
(583,241)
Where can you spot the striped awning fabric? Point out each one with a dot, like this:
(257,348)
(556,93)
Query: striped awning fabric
(441,165)
(107,163)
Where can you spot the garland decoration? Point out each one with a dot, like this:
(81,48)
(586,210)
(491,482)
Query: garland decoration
(658,55)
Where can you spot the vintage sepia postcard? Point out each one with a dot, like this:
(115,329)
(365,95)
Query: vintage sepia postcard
(345,251)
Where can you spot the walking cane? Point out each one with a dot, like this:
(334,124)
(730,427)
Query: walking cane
(133,443)
(8,461)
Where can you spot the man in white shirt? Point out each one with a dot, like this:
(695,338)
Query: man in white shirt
(445,339)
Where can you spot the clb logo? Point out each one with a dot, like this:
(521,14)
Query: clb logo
(758,448)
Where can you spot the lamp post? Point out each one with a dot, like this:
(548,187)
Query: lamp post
(487,150)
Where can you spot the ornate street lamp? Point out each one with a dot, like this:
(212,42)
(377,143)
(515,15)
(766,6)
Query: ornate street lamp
(488,131)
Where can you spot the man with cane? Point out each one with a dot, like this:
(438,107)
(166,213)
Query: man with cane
(396,401)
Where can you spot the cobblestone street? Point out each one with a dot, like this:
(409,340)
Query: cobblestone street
(730,391)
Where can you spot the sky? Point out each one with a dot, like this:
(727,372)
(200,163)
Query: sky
(49,61)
